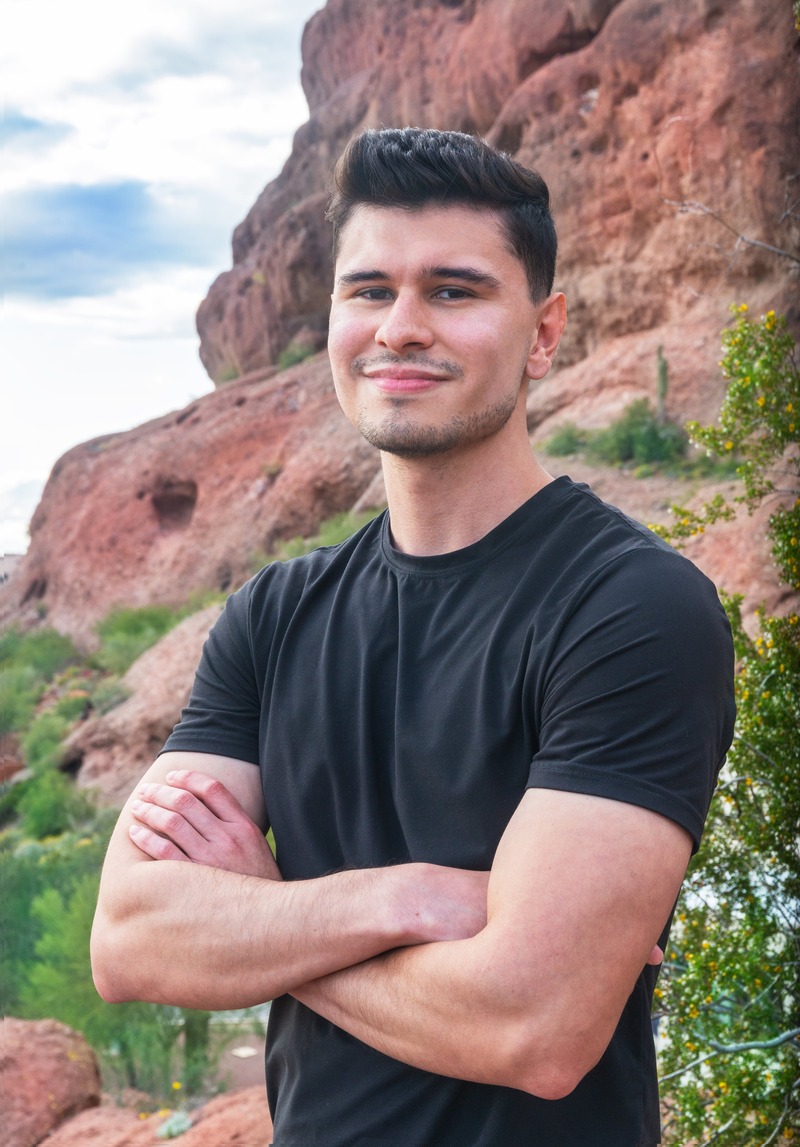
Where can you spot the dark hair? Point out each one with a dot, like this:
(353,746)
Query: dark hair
(415,167)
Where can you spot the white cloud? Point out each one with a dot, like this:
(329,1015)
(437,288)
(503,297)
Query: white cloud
(192,102)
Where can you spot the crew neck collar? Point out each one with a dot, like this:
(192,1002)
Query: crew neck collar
(486,548)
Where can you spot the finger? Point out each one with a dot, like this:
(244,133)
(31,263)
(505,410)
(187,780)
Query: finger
(152,845)
(182,804)
(656,957)
(172,825)
(211,791)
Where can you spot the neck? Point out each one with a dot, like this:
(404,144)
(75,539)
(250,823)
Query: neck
(447,502)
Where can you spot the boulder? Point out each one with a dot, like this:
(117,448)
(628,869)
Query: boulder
(48,1073)
(236,1119)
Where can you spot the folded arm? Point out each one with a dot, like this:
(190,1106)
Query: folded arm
(225,931)
(579,893)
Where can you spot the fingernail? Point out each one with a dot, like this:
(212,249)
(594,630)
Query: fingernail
(137,806)
(135,829)
(171,777)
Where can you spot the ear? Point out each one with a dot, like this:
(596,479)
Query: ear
(550,323)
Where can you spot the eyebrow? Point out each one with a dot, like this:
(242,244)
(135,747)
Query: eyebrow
(461,274)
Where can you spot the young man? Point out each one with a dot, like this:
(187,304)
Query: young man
(485,730)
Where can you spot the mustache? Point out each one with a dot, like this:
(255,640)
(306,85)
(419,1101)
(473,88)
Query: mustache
(437,365)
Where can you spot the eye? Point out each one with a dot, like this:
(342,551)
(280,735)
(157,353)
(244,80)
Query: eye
(374,294)
(452,294)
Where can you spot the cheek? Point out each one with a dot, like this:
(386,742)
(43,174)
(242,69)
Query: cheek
(345,336)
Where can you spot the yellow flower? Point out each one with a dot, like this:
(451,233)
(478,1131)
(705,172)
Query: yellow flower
(742,308)
(176,1085)
(729,445)
(760,400)
(789,407)
(722,1085)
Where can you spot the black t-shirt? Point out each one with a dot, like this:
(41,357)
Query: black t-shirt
(398,707)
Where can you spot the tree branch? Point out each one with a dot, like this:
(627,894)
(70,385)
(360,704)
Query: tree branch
(755,1045)
(733,1049)
(694,207)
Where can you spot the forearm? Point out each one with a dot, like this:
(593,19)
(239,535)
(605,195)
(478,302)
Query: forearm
(194,936)
(439,1007)
(193,911)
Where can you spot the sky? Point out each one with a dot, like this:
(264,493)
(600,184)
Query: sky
(134,138)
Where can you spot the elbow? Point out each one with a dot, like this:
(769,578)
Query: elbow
(114,962)
(108,971)
(546,1065)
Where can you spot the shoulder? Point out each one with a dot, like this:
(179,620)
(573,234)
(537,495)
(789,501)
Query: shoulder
(281,585)
(607,560)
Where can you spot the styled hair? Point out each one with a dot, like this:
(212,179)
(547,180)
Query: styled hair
(418,167)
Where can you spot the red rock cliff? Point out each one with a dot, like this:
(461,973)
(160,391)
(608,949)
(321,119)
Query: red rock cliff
(627,107)
(659,126)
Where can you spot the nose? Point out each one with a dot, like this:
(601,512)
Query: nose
(405,324)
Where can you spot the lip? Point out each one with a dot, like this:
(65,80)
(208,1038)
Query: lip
(403,379)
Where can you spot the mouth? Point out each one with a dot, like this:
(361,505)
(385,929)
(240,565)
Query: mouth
(403,379)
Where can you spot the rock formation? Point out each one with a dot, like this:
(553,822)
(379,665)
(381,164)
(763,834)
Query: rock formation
(237,1119)
(657,125)
(190,500)
(629,108)
(48,1073)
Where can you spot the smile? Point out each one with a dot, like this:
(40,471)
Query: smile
(404,382)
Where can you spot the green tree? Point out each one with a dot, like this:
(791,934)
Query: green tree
(137,1042)
(728,1000)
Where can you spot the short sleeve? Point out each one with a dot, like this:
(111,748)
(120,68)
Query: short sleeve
(223,713)
(638,698)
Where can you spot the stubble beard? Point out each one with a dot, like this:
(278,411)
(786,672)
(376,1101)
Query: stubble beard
(397,433)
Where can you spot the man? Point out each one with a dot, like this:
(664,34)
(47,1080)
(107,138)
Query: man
(486,728)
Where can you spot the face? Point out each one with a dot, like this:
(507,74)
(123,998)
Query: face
(433,334)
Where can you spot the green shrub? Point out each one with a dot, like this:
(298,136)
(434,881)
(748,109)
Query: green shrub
(292,354)
(126,633)
(638,437)
(52,805)
(72,706)
(29,867)
(41,744)
(20,689)
(45,651)
(27,662)
(729,997)
(567,439)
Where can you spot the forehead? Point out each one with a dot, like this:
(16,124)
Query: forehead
(427,236)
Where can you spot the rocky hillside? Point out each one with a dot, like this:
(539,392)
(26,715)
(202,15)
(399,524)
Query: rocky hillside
(668,134)
(50,1082)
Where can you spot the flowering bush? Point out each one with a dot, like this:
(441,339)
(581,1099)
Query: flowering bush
(729,1002)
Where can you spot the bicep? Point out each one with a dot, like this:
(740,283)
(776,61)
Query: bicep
(580,891)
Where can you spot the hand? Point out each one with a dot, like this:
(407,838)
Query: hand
(195,818)
(656,957)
